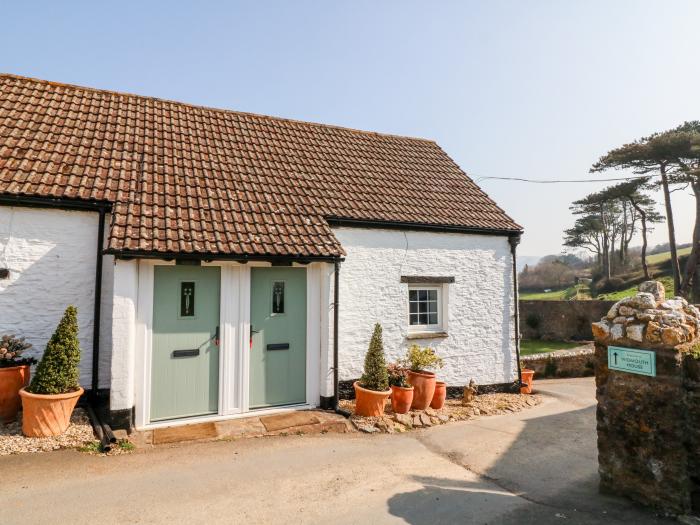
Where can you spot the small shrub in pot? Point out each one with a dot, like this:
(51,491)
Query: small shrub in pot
(14,375)
(372,389)
(401,390)
(50,398)
(420,361)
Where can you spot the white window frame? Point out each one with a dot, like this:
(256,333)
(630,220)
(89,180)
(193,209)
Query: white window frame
(441,325)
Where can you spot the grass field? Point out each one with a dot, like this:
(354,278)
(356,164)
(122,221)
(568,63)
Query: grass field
(554,295)
(665,256)
(632,290)
(533,346)
(579,292)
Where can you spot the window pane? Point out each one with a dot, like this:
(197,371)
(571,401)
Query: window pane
(423,318)
(432,307)
(432,319)
(422,295)
(413,318)
(432,295)
(423,307)
(413,295)
(413,308)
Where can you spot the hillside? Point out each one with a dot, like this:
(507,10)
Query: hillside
(658,268)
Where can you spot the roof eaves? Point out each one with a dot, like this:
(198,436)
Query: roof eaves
(398,225)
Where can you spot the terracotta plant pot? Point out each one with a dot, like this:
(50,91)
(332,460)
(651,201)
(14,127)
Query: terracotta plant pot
(424,387)
(439,396)
(47,415)
(12,379)
(528,378)
(401,399)
(369,403)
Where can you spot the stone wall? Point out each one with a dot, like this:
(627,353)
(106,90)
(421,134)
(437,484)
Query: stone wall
(649,427)
(560,320)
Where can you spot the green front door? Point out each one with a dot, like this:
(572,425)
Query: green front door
(278,332)
(185,362)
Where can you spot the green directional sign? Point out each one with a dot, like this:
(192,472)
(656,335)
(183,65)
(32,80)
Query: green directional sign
(632,360)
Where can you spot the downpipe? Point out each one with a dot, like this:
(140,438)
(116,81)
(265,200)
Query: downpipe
(514,240)
(336,380)
(102,430)
(99,430)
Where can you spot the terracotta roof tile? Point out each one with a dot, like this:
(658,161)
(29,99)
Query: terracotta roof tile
(190,179)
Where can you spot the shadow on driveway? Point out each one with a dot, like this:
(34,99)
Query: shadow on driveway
(548,474)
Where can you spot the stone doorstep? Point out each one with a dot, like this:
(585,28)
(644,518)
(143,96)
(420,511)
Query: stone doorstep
(292,423)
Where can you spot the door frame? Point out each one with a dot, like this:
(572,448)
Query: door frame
(234,334)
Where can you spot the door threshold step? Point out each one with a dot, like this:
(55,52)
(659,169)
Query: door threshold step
(292,423)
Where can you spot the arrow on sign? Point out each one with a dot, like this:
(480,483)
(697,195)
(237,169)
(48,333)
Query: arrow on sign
(615,355)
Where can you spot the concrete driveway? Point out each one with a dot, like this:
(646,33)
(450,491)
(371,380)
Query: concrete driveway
(538,466)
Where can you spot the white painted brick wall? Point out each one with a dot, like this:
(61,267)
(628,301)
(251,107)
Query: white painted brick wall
(480,344)
(51,257)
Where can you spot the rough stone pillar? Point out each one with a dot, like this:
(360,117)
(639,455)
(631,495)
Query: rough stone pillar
(649,427)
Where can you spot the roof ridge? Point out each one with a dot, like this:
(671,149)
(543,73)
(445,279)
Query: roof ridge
(211,108)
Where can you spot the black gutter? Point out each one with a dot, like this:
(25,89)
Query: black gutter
(242,258)
(62,203)
(417,226)
(514,240)
(336,305)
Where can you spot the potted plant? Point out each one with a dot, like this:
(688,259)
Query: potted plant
(372,389)
(50,398)
(439,395)
(401,391)
(528,378)
(14,374)
(420,360)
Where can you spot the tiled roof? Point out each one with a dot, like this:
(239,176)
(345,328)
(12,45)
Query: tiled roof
(188,179)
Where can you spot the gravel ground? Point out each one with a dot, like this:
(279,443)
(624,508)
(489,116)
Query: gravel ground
(12,441)
(491,405)
(453,410)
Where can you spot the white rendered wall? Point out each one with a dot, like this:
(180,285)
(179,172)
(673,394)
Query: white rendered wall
(480,344)
(51,257)
(123,326)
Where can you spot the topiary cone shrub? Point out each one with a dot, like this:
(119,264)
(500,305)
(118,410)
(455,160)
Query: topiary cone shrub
(375,376)
(50,398)
(57,372)
(372,390)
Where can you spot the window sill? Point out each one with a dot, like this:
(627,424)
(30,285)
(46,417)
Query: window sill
(427,335)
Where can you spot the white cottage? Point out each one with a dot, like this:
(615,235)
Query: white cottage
(225,262)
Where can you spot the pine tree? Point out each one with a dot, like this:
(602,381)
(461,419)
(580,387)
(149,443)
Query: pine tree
(375,376)
(57,372)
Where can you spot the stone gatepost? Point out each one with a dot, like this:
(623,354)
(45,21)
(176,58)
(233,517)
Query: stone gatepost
(648,391)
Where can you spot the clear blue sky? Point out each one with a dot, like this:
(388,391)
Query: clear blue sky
(535,89)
